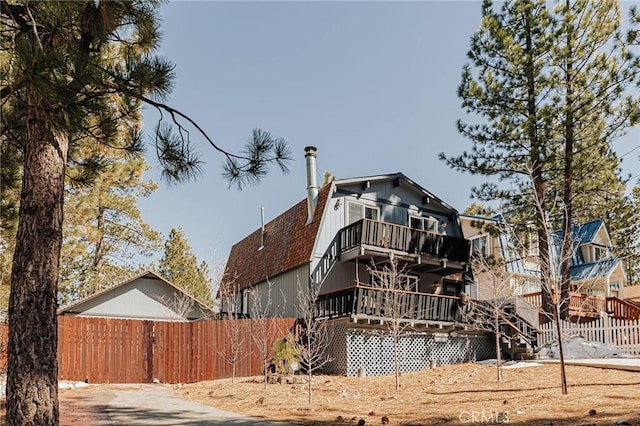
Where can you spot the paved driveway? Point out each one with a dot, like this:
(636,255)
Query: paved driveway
(629,364)
(142,405)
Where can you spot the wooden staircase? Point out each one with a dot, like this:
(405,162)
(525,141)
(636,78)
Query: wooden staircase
(518,336)
(633,302)
(623,309)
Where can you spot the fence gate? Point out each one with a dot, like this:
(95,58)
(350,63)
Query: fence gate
(99,350)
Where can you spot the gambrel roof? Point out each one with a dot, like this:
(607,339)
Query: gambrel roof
(397,178)
(288,239)
(288,243)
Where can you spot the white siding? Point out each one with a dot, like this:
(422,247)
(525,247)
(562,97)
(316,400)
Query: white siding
(396,203)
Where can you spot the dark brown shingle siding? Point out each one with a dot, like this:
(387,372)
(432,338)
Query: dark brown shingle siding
(288,243)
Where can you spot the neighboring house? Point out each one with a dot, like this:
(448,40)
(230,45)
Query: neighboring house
(146,296)
(632,293)
(597,277)
(340,238)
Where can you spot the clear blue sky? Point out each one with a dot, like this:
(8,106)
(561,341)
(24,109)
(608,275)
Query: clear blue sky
(372,85)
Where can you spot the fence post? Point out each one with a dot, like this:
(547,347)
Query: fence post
(607,330)
(147,350)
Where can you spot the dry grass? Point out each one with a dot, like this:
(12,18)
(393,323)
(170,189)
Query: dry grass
(455,394)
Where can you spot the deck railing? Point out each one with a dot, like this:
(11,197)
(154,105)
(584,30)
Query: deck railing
(403,239)
(516,326)
(370,302)
(590,305)
(579,304)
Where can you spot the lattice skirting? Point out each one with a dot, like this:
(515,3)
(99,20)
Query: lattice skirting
(354,348)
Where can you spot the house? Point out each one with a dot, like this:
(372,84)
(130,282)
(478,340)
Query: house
(339,240)
(146,296)
(597,277)
(632,294)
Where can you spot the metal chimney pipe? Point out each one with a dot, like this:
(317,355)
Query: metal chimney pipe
(312,187)
(261,229)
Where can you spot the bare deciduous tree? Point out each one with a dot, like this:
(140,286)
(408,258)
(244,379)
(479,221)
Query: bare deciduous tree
(235,328)
(180,303)
(493,314)
(551,278)
(316,337)
(395,288)
(263,326)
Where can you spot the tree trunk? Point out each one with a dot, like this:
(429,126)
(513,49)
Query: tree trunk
(309,361)
(567,197)
(97,257)
(32,370)
(546,281)
(537,178)
(310,387)
(563,373)
(266,374)
(396,361)
(498,350)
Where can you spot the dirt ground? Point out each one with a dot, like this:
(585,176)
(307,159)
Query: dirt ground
(454,394)
(451,395)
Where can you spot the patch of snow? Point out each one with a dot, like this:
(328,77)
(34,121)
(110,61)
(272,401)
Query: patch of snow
(509,364)
(67,384)
(523,365)
(576,347)
(490,361)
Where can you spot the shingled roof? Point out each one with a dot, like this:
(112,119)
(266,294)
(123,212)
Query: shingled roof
(288,243)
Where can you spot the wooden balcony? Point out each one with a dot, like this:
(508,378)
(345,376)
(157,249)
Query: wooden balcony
(369,235)
(370,303)
(589,306)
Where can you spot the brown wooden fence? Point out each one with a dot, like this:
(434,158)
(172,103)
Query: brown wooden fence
(104,350)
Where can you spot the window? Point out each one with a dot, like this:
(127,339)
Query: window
(424,223)
(599,253)
(531,242)
(245,301)
(526,285)
(480,245)
(357,211)
(404,282)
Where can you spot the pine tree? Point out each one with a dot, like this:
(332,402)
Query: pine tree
(625,233)
(180,266)
(505,86)
(72,72)
(10,176)
(592,72)
(103,228)
(552,91)
(478,209)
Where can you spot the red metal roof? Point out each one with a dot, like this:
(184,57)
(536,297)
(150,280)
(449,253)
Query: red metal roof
(288,243)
